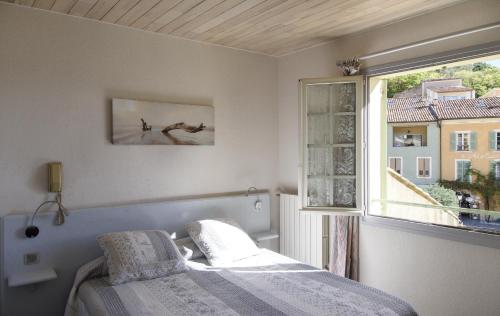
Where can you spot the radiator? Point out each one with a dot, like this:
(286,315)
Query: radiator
(303,236)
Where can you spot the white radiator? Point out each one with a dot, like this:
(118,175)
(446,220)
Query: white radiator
(301,233)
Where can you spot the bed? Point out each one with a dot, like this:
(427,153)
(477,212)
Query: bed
(264,284)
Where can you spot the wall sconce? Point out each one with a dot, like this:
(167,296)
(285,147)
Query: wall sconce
(258,203)
(54,186)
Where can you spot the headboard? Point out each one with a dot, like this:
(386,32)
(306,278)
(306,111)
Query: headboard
(65,248)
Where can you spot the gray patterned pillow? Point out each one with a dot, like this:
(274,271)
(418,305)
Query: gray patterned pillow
(188,249)
(221,240)
(140,255)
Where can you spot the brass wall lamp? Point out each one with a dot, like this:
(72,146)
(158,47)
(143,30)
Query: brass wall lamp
(54,186)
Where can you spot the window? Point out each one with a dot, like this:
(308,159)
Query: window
(497,138)
(462,168)
(410,202)
(423,167)
(408,140)
(463,141)
(396,164)
(451,97)
(495,168)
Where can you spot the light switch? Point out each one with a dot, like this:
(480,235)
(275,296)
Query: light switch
(31,258)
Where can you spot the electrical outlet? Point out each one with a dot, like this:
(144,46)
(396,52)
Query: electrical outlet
(31,258)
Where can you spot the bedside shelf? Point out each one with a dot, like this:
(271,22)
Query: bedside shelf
(269,235)
(32,277)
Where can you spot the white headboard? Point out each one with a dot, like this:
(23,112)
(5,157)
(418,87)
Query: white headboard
(65,248)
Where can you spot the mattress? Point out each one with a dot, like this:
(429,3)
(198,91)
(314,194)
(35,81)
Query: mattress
(266,284)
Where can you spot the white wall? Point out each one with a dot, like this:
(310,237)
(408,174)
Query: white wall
(439,277)
(57,77)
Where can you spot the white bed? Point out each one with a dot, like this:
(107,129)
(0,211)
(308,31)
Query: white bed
(264,284)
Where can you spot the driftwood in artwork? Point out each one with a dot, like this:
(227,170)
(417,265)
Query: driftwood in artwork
(183,126)
(145,126)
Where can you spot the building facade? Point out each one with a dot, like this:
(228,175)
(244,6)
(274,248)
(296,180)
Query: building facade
(472,144)
(413,151)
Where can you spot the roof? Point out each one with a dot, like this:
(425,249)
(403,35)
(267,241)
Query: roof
(406,110)
(467,108)
(451,89)
(441,79)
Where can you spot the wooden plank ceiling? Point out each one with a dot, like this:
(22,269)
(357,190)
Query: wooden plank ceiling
(273,27)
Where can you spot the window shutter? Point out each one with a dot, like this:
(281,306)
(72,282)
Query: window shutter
(473,141)
(453,141)
(493,140)
(467,175)
(492,167)
(460,171)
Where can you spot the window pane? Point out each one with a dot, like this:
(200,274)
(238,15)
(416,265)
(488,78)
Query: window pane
(436,154)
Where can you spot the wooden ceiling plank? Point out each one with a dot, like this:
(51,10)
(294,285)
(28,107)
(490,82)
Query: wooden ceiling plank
(63,6)
(231,13)
(328,33)
(82,7)
(353,15)
(236,20)
(172,14)
(189,15)
(208,16)
(136,12)
(253,22)
(157,11)
(343,12)
(43,4)
(100,9)
(119,10)
(286,24)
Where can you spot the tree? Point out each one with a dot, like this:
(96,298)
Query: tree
(481,77)
(481,66)
(443,195)
(486,185)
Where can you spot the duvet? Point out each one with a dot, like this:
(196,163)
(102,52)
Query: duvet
(267,284)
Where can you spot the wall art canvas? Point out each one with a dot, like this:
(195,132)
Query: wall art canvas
(160,123)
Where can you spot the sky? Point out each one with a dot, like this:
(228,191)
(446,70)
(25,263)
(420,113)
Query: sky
(495,62)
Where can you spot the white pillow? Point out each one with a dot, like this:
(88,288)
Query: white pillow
(221,240)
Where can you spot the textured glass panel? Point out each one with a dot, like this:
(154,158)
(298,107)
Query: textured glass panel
(318,131)
(344,129)
(344,99)
(331,150)
(318,98)
(320,191)
(345,193)
(320,161)
(344,161)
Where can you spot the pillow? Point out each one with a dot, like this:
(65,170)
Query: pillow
(140,255)
(221,240)
(188,248)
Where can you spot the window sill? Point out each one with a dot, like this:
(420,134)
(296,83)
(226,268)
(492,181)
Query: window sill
(436,231)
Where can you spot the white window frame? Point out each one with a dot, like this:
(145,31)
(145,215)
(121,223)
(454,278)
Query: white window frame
(470,236)
(469,133)
(430,168)
(395,157)
(456,168)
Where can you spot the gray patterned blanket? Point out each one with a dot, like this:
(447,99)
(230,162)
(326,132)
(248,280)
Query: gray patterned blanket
(277,289)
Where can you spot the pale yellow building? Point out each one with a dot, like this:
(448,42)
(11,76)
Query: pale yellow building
(474,141)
